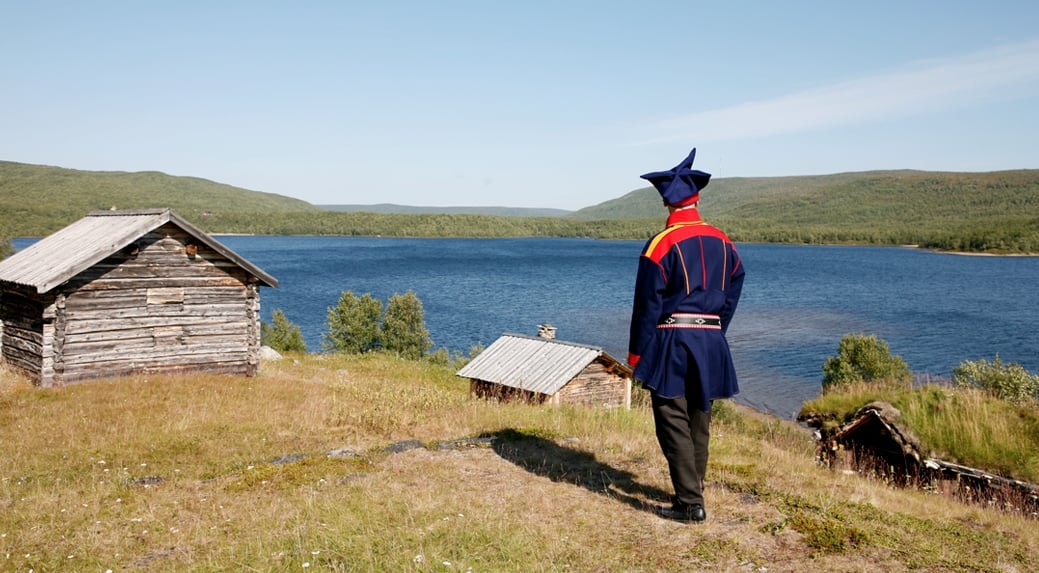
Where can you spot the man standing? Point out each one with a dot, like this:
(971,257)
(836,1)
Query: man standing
(688,284)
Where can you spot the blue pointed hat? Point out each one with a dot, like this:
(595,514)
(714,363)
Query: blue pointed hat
(679,186)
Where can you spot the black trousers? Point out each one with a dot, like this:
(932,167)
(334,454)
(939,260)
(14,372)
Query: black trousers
(684,434)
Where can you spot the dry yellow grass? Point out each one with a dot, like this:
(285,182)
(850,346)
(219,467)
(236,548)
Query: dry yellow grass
(293,471)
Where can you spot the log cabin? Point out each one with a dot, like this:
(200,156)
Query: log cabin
(542,370)
(129,292)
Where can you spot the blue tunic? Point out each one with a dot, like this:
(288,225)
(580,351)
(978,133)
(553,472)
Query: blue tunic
(689,267)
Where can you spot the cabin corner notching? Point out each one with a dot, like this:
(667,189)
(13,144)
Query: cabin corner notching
(124,292)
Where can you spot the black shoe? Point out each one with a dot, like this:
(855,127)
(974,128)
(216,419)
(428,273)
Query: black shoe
(683,512)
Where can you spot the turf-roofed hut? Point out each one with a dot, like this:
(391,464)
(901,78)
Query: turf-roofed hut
(126,292)
(876,442)
(544,370)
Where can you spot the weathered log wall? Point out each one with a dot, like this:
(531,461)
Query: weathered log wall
(22,339)
(596,386)
(502,393)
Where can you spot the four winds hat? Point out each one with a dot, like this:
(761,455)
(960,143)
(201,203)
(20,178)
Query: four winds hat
(681,185)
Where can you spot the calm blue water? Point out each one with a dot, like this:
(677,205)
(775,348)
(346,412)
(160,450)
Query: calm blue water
(935,310)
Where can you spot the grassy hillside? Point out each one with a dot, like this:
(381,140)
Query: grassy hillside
(392,208)
(326,463)
(38,200)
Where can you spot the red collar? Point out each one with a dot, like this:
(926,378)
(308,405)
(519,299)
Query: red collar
(685,217)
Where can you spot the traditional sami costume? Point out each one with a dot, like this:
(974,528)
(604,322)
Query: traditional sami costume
(688,284)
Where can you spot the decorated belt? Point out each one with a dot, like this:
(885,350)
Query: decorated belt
(690,320)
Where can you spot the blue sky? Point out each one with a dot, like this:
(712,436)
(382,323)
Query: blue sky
(527,104)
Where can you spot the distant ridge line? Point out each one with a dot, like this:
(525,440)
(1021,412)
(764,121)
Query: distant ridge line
(393,208)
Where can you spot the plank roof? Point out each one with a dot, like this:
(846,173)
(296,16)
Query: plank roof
(64,254)
(533,363)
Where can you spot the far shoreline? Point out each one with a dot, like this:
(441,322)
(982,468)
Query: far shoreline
(217,234)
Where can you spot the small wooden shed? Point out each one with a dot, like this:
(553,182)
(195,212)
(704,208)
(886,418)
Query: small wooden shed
(544,370)
(122,292)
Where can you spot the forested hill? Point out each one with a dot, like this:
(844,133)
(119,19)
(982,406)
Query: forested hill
(38,199)
(975,212)
(416,210)
(862,196)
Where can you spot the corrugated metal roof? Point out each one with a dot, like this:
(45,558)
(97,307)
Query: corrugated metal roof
(57,258)
(532,363)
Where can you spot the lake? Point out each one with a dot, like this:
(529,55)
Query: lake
(935,310)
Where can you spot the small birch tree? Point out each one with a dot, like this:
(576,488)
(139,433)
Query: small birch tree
(404,326)
(353,324)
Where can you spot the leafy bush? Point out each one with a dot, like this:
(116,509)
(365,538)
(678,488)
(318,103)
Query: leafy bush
(862,358)
(282,335)
(404,327)
(1010,382)
(353,324)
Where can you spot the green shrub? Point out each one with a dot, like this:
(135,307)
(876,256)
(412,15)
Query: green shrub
(282,335)
(862,358)
(6,248)
(404,327)
(440,357)
(1010,382)
(353,324)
